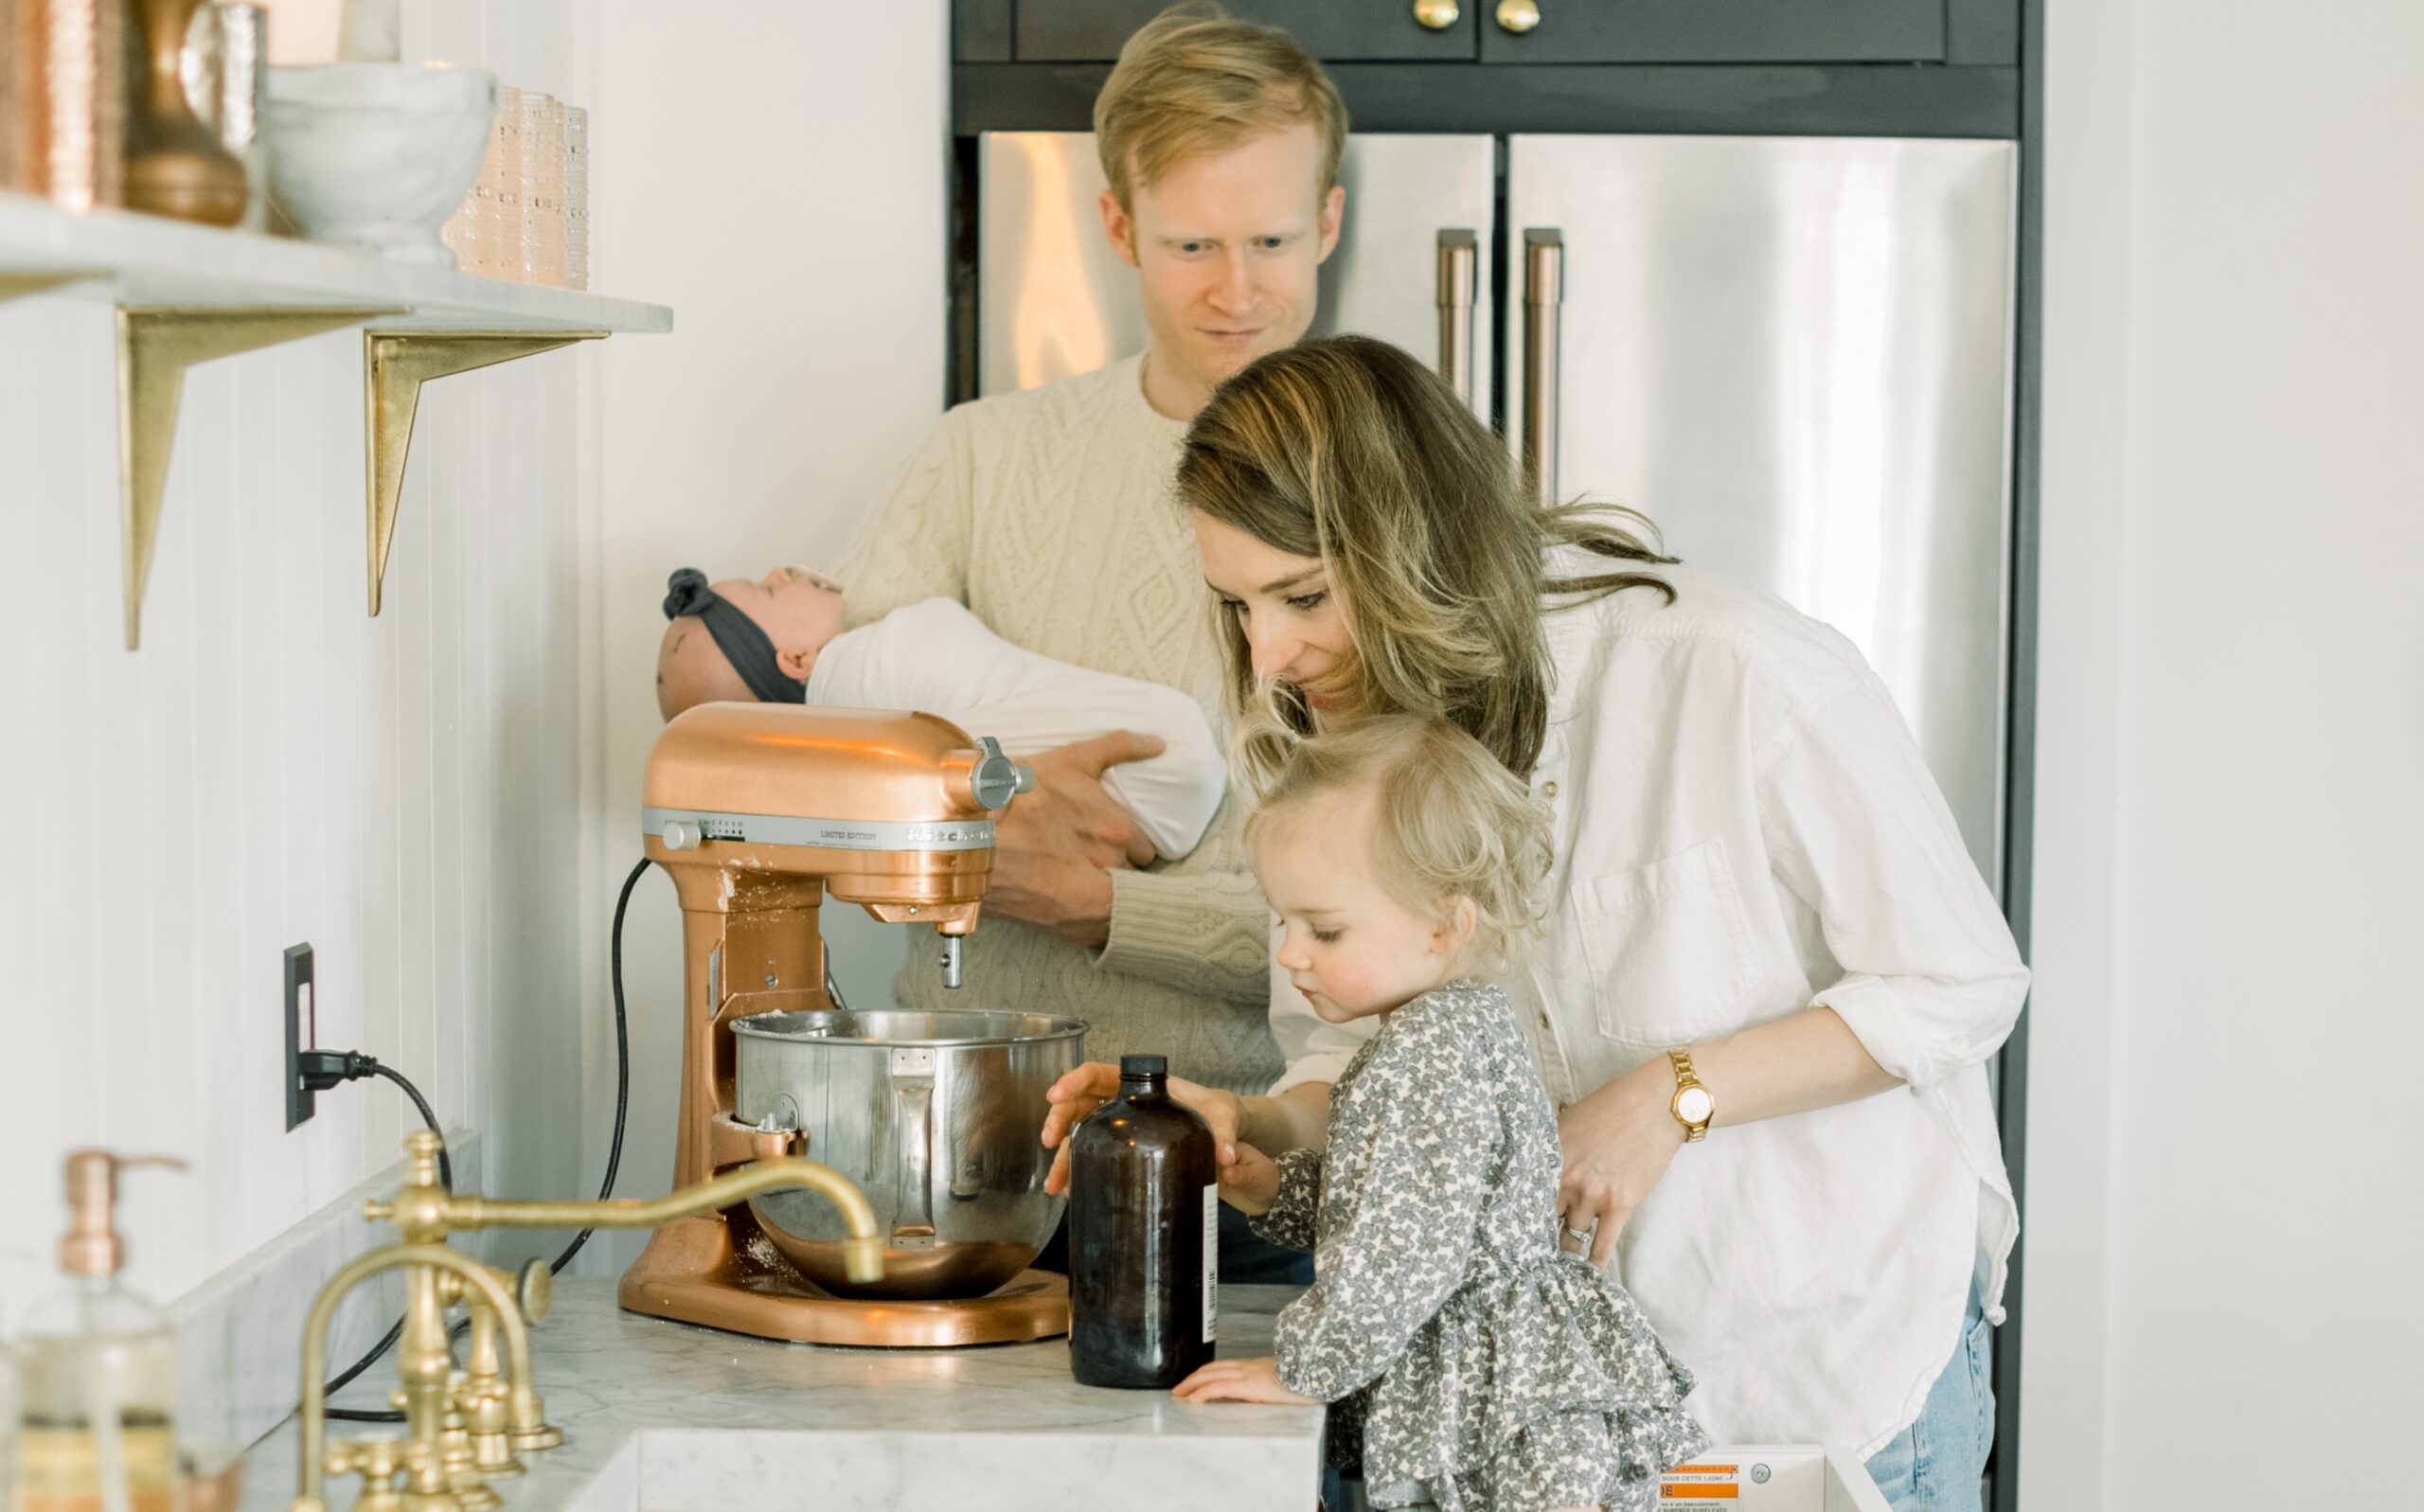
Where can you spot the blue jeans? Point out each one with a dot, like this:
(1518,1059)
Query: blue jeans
(1933,1464)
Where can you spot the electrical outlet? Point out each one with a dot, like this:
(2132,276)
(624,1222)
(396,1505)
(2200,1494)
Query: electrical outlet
(302,1031)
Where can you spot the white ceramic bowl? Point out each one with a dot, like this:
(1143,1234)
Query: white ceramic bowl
(376,155)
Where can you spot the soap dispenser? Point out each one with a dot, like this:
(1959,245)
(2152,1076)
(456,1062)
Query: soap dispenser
(99,1368)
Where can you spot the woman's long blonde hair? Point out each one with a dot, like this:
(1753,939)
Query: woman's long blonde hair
(1353,451)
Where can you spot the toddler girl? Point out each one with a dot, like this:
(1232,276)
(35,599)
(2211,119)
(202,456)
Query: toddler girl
(1468,1362)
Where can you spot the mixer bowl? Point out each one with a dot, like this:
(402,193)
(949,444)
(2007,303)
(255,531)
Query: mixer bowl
(937,1117)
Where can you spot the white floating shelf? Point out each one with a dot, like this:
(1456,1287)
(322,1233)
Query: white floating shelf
(154,262)
(191,293)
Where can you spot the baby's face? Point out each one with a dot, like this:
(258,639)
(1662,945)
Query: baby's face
(1346,943)
(798,609)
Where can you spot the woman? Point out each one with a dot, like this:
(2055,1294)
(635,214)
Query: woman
(1767,930)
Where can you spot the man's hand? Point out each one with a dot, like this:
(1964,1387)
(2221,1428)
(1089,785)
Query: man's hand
(1054,848)
(1239,1380)
(1097,1082)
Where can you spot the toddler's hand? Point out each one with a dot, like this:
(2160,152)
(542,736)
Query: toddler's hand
(1250,1182)
(1239,1380)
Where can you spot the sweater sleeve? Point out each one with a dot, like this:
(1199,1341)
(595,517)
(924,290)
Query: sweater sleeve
(917,545)
(1207,933)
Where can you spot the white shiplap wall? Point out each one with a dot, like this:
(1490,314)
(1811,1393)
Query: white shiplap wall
(779,179)
(274,766)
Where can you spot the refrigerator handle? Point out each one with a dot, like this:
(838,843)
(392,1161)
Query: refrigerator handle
(1543,294)
(1458,254)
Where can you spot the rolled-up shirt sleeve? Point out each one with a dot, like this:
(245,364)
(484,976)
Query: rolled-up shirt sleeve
(1857,828)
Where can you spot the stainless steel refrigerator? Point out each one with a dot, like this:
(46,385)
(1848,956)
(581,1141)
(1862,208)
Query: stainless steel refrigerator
(1793,354)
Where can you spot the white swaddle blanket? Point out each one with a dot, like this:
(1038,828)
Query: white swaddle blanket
(935,657)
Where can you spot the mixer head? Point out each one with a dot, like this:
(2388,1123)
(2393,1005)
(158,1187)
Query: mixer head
(893,811)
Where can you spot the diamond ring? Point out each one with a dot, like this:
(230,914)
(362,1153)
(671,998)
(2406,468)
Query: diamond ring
(1583,1236)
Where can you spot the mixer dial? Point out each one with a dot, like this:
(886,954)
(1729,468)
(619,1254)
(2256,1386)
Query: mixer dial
(996,779)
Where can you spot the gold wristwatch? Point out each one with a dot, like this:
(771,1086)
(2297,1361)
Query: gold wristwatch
(1693,1105)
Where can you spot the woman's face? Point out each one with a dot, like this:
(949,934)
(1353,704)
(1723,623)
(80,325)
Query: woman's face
(1284,604)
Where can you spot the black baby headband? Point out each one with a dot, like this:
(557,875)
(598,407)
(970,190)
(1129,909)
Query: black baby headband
(742,640)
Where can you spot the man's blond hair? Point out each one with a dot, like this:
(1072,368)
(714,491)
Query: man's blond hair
(1197,81)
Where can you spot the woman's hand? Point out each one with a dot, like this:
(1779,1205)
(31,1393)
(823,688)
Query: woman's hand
(1097,1082)
(1250,1184)
(1239,1380)
(1618,1142)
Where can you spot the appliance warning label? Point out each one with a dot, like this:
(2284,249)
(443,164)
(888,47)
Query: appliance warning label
(1211,1261)
(1699,1484)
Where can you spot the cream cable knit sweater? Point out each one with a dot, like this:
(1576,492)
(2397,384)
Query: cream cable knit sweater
(1048,513)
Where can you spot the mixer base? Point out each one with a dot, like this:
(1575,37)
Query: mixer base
(691,1272)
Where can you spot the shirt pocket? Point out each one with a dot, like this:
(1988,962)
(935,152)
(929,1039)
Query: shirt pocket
(1668,945)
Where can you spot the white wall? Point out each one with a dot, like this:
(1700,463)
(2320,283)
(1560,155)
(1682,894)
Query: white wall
(274,766)
(776,172)
(2225,1214)
(441,800)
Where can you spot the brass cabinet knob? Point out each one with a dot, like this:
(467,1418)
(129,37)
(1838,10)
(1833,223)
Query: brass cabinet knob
(1439,15)
(1518,16)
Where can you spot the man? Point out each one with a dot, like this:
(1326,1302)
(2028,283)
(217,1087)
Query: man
(1048,513)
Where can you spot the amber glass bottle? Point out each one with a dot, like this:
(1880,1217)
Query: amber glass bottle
(1144,1235)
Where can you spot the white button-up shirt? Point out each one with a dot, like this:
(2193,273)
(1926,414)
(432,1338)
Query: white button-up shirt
(1744,829)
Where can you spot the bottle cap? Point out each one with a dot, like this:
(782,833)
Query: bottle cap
(1140,1066)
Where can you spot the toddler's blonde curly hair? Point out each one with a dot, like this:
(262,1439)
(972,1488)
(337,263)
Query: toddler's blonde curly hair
(1451,823)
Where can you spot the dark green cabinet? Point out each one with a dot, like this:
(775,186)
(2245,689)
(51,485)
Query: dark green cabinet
(1690,67)
(1713,31)
(1332,30)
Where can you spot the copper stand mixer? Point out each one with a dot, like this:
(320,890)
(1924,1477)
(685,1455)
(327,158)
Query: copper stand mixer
(757,811)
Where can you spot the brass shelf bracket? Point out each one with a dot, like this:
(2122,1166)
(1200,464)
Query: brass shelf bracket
(155,344)
(396,363)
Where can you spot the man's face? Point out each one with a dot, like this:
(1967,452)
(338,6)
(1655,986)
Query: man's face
(1227,248)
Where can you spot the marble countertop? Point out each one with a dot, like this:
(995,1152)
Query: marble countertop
(665,1417)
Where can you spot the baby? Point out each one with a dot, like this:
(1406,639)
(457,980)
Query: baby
(779,639)
(1470,1364)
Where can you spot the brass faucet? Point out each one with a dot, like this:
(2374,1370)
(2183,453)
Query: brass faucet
(463,1426)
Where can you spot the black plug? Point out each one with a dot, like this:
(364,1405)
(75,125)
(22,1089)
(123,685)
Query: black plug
(323,1068)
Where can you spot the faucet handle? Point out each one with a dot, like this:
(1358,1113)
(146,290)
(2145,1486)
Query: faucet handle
(535,1291)
(377,1460)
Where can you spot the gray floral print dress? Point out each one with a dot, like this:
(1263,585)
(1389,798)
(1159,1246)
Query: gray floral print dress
(1470,1363)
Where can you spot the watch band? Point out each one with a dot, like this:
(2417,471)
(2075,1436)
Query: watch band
(1702,1107)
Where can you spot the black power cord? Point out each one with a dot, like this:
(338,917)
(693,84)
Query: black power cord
(324,1069)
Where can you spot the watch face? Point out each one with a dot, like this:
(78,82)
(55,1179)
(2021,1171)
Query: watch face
(1693,1104)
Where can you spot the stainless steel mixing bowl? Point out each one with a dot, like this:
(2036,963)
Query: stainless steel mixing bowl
(937,1117)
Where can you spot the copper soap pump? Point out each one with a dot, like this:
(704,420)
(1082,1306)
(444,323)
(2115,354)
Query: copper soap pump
(100,1366)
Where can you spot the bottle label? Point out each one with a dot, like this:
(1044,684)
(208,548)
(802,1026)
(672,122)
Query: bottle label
(1211,1261)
